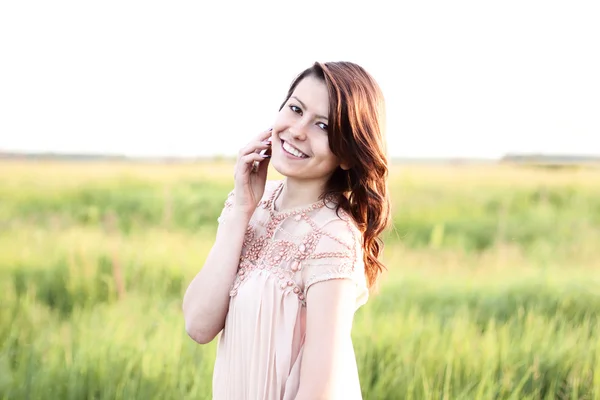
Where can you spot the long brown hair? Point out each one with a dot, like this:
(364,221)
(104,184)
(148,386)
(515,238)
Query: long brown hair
(356,136)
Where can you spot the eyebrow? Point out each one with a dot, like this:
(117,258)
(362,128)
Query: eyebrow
(304,106)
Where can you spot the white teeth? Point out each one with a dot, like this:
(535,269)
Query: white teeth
(287,147)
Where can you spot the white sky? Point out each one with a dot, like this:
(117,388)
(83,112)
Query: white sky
(461,78)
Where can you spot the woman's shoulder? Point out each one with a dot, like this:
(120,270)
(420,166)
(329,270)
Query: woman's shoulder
(270,187)
(339,225)
(269,193)
(338,253)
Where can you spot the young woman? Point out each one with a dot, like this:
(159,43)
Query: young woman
(294,259)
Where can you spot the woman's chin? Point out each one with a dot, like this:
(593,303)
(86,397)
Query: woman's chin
(284,168)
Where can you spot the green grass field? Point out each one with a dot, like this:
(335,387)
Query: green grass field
(492,289)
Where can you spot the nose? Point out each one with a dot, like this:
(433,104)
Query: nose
(298,130)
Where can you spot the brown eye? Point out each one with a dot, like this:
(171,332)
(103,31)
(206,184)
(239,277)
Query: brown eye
(295,109)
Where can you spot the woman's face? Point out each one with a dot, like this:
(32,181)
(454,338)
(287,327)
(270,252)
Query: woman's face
(300,143)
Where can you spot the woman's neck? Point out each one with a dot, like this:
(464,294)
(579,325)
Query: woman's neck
(296,194)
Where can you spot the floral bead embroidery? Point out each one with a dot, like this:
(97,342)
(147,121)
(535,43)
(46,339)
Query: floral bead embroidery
(283,257)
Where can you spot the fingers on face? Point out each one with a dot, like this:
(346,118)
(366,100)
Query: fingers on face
(265,135)
(253,148)
(256,151)
(256,146)
(253,160)
(261,164)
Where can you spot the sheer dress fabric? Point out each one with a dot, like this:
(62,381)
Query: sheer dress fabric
(259,351)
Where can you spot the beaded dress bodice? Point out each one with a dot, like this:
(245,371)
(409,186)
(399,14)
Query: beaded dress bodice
(284,253)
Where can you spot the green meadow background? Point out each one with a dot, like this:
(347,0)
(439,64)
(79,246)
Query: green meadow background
(492,289)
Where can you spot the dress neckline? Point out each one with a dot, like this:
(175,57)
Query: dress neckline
(292,211)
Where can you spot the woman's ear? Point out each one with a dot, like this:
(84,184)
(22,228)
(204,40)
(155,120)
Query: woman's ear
(345,166)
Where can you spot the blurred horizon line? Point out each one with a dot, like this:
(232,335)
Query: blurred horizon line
(525,157)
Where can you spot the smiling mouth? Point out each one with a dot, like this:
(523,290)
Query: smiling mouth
(288,148)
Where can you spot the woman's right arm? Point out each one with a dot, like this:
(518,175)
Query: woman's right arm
(206,300)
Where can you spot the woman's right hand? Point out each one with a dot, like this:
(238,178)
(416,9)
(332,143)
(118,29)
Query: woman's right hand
(249,183)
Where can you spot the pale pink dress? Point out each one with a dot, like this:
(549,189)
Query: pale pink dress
(260,349)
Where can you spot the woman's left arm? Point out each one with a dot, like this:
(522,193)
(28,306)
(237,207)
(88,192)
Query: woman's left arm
(330,307)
